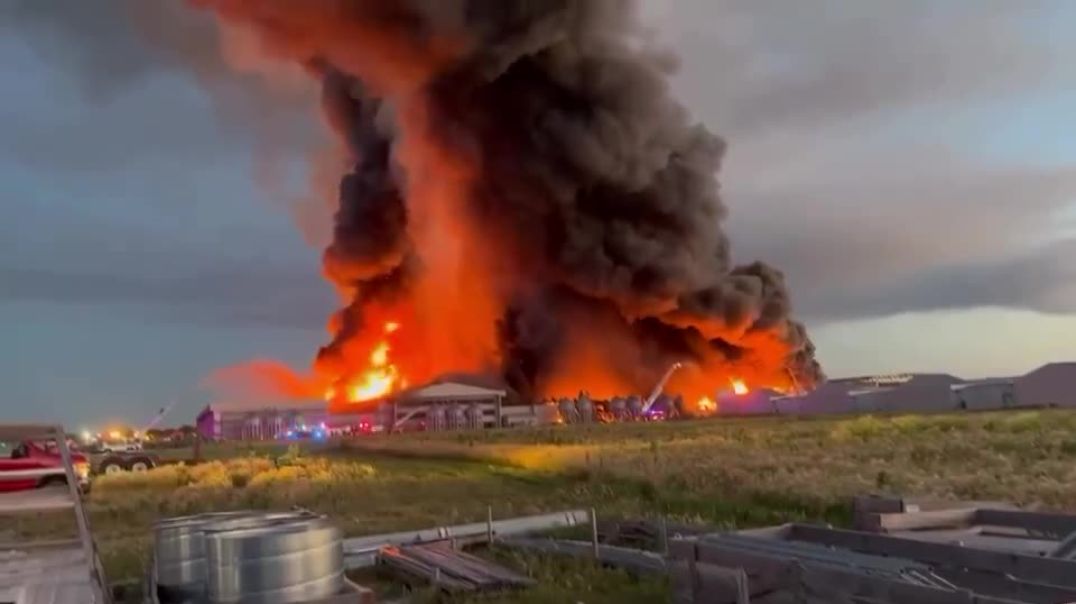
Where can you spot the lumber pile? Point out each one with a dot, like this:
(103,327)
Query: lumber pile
(449,569)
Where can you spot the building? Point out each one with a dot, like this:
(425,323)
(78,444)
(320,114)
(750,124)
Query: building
(1052,385)
(991,393)
(248,421)
(756,402)
(443,406)
(831,397)
(915,392)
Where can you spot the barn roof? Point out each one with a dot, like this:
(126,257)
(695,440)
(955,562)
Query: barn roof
(450,390)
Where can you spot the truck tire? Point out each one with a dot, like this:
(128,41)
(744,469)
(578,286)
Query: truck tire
(139,464)
(112,465)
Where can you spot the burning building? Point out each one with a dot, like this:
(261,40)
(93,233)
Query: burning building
(523,199)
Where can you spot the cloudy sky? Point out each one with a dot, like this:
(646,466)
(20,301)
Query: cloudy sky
(910,165)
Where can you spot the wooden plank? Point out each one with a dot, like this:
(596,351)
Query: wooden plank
(483,574)
(1030,568)
(919,520)
(1057,525)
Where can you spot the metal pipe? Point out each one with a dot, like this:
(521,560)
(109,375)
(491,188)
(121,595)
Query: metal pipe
(361,552)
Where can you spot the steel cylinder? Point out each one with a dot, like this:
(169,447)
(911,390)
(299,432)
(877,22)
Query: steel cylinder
(280,561)
(179,554)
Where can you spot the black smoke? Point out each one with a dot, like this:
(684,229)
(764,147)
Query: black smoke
(596,182)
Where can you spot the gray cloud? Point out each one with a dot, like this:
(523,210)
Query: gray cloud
(1042,279)
(848,166)
(113,81)
(844,167)
(235,296)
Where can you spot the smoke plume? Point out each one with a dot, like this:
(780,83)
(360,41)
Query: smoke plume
(526,198)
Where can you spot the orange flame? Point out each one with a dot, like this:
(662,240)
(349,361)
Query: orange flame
(706,405)
(381,377)
(739,387)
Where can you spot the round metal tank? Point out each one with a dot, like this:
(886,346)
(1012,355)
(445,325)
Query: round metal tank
(280,561)
(567,409)
(618,407)
(585,408)
(179,554)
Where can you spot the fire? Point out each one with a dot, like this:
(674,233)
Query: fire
(706,405)
(379,378)
(739,387)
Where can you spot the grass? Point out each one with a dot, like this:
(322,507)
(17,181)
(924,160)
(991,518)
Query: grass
(733,473)
(1028,457)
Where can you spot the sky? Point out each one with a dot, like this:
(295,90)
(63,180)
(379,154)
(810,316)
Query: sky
(910,166)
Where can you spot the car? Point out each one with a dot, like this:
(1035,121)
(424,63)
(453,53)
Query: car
(34,464)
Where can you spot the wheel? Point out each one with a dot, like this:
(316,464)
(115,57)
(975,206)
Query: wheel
(140,464)
(111,466)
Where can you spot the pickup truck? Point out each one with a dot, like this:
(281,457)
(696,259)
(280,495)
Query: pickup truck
(34,464)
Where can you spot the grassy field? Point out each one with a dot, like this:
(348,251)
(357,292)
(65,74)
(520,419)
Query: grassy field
(744,472)
(1028,457)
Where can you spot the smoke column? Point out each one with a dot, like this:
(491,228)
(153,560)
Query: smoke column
(525,200)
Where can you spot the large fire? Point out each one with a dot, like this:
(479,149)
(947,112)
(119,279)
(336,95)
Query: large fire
(522,198)
(378,379)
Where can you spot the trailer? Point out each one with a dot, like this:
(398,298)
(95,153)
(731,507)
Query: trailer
(65,571)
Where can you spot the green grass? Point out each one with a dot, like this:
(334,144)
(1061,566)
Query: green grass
(732,473)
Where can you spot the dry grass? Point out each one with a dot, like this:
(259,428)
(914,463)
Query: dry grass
(1026,456)
(745,472)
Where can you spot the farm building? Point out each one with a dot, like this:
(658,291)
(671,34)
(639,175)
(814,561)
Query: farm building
(906,392)
(992,393)
(247,421)
(443,405)
(755,402)
(868,394)
(831,397)
(1052,385)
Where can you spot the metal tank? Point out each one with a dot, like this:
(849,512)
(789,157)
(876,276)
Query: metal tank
(585,408)
(635,406)
(438,419)
(279,561)
(474,416)
(618,407)
(568,412)
(179,554)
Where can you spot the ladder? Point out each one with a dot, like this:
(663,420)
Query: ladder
(59,571)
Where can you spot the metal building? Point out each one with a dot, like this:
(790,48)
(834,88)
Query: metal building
(991,393)
(249,421)
(1052,385)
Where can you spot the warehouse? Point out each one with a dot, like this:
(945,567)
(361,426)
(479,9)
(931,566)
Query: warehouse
(831,397)
(908,392)
(1052,385)
(258,421)
(755,402)
(991,393)
(443,406)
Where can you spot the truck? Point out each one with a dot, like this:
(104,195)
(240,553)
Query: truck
(34,464)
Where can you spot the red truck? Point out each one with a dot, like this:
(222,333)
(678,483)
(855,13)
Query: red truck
(34,464)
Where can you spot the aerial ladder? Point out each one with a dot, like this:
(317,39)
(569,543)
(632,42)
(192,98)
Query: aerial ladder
(649,402)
